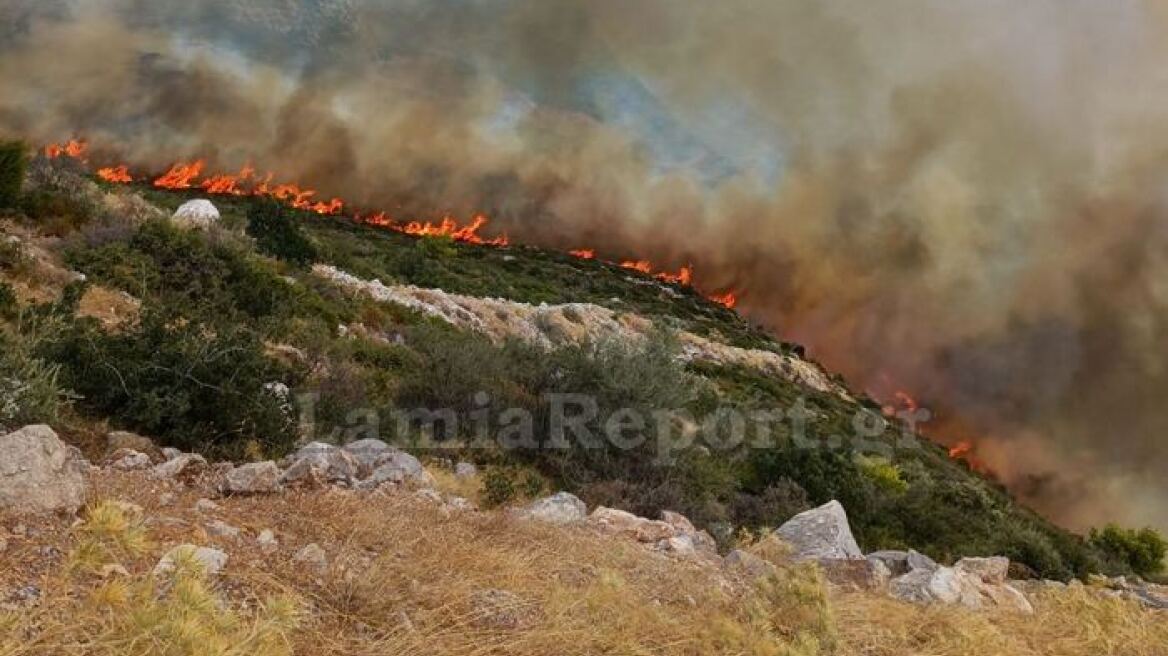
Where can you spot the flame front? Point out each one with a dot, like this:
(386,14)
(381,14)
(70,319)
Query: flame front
(74,148)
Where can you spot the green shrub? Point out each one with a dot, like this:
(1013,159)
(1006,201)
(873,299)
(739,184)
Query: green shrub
(13,165)
(276,233)
(498,488)
(30,387)
(9,306)
(1140,551)
(195,385)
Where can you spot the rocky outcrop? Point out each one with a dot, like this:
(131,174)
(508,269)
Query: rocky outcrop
(958,586)
(821,533)
(317,464)
(39,473)
(184,468)
(560,508)
(902,562)
(629,525)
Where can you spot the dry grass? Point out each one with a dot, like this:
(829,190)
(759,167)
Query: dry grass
(406,576)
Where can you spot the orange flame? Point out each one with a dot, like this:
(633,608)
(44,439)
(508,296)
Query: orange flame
(729,300)
(181,176)
(644,266)
(116,174)
(684,276)
(584,254)
(74,148)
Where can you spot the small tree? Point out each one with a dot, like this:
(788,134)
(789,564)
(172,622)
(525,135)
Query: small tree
(277,234)
(1141,550)
(13,164)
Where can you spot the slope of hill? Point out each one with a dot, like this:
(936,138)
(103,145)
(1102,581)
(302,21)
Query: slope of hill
(213,339)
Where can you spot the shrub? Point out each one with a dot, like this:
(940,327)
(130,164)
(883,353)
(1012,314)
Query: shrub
(498,488)
(8,303)
(195,385)
(30,389)
(271,224)
(1140,551)
(13,165)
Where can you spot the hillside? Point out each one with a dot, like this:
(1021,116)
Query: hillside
(176,333)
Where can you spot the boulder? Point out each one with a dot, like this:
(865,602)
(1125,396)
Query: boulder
(367,452)
(221,529)
(318,463)
(128,460)
(624,523)
(465,470)
(314,557)
(560,508)
(170,453)
(267,542)
(989,570)
(117,440)
(199,213)
(396,466)
(821,533)
(903,562)
(952,586)
(856,574)
(211,560)
(253,478)
(39,473)
(185,468)
(702,541)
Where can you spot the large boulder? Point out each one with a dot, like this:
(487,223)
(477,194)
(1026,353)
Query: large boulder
(39,473)
(367,453)
(560,508)
(856,574)
(821,533)
(118,440)
(903,562)
(990,570)
(396,466)
(184,467)
(952,586)
(200,213)
(318,463)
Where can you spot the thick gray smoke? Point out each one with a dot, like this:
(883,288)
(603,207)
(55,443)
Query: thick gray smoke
(960,198)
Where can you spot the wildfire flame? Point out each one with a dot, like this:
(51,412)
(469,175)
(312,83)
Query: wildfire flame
(74,148)
(966,451)
(189,175)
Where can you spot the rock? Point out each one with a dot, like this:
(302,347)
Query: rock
(465,470)
(702,541)
(367,452)
(39,473)
(222,529)
(821,533)
(855,574)
(625,523)
(184,468)
(428,494)
(170,453)
(500,609)
(199,213)
(268,542)
(117,440)
(748,563)
(560,508)
(952,586)
(212,560)
(206,506)
(989,570)
(460,504)
(128,460)
(165,499)
(903,562)
(318,463)
(313,556)
(253,478)
(395,466)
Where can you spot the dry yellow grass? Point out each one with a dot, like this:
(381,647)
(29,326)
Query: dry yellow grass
(406,576)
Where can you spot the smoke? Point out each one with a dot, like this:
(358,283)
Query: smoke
(960,198)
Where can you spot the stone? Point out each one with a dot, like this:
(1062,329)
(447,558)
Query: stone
(679,522)
(313,556)
(460,504)
(702,541)
(253,478)
(221,529)
(989,570)
(39,473)
(319,463)
(206,506)
(500,609)
(268,542)
(952,586)
(821,533)
(128,460)
(640,529)
(856,574)
(560,508)
(199,213)
(465,470)
(117,440)
(903,562)
(185,468)
(211,560)
(170,453)
(397,467)
(428,494)
(748,563)
(367,452)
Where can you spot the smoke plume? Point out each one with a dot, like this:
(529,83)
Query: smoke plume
(965,199)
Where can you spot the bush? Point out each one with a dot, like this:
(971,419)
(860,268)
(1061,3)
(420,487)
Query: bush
(1139,551)
(30,389)
(195,385)
(498,488)
(9,306)
(13,165)
(276,233)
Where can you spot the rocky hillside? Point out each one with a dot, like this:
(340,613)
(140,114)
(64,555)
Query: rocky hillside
(363,550)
